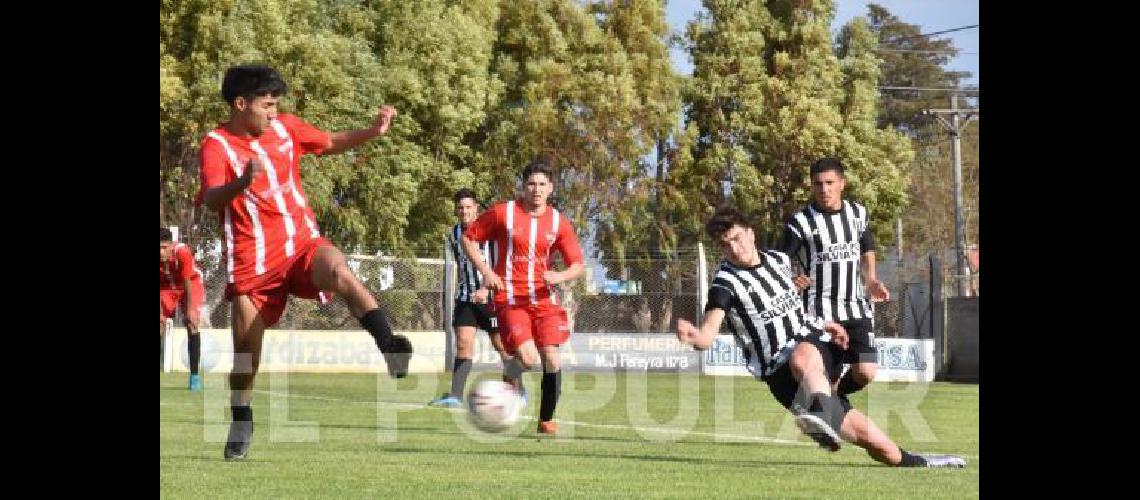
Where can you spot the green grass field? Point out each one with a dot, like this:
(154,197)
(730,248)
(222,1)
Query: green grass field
(625,436)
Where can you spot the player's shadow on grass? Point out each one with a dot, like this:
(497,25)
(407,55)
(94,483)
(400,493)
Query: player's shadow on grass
(630,456)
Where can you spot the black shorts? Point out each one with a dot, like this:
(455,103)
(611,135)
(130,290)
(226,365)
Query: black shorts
(783,385)
(861,348)
(477,315)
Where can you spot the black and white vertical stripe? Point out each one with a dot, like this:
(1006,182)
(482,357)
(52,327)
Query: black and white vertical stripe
(831,255)
(766,313)
(470,279)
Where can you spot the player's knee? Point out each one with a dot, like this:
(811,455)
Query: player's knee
(865,372)
(528,359)
(805,359)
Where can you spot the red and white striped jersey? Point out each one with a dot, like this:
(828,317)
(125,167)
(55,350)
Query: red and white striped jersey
(178,268)
(524,244)
(271,219)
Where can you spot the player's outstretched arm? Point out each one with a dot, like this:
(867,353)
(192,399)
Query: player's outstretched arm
(344,141)
(700,338)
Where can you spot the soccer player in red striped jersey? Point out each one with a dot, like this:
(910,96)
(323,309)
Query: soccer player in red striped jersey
(251,176)
(532,321)
(180,282)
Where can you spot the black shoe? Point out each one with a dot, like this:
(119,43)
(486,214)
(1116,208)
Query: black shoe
(237,443)
(398,356)
(819,431)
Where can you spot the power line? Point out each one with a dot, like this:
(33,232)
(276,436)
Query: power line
(951,52)
(936,32)
(975,91)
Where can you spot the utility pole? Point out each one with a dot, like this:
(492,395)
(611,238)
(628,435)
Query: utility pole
(959,119)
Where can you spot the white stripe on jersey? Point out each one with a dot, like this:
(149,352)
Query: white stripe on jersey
(288,141)
(258,236)
(553,228)
(510,248)
(229,244)
(271,174)
(530,246)
(284,134)
(229,215)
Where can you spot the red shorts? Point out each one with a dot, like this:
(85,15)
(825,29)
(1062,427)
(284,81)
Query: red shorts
(546,324)
(270,291)
(169,299)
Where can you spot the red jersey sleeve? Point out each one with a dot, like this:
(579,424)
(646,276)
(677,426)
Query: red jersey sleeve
(567,242)
(309,139)
(214,168)
(185,263)
(486,226)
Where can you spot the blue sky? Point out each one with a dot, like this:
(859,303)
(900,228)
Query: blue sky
(929,15)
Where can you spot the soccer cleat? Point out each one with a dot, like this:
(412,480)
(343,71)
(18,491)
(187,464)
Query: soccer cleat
(195,382)
(237,443)
(950,461)
(548,427)
(447,401)
(398,356)
(819,431)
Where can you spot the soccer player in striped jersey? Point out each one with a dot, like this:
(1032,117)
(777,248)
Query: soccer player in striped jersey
(180,283)
(832,241)
(251,176)
(526,232)
(472,307)
(795,354)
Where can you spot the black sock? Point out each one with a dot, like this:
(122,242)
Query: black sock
(848,384)
(551,389)
(909,460)
(459,376)
(377,326)
(194,345)
(241,413)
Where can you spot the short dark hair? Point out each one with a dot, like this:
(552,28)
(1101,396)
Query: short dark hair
(537,166)
(164,234)
(250,81)
(825,164)
(465,193)
(723,219)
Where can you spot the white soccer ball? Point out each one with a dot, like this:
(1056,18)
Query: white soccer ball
(493,405)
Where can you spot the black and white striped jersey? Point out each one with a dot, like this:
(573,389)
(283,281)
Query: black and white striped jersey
(764,310)
(470,279)
(828,246)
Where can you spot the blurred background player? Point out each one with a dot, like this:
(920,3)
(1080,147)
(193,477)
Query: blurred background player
(180,284)
(532,322)
(832,240)
(472,307)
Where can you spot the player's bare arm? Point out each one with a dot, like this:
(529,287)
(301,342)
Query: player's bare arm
(491,280)
(575,271)
(700,338)
(216,198)
(875,288)
(344,141)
